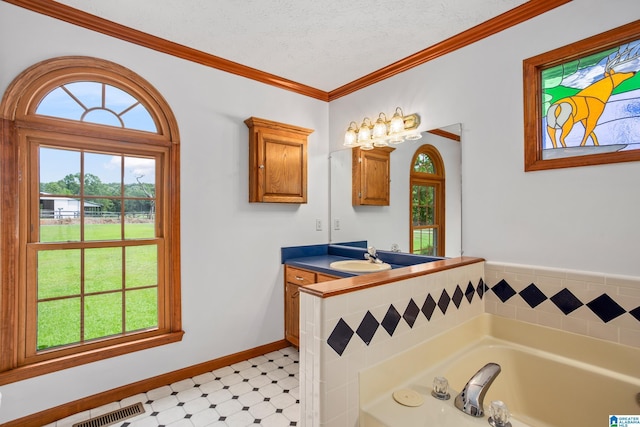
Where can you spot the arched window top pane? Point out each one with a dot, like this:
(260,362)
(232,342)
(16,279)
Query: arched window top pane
(96,102)
(424,164)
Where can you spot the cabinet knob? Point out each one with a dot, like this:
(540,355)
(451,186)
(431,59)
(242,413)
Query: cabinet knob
(261,167)
(301,279)
(295,294)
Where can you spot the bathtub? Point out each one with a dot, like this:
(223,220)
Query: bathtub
(549,378)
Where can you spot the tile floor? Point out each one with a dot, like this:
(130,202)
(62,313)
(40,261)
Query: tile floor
(263,391)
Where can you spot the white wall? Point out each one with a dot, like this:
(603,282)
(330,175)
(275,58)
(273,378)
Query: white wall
(232,292)
(578,218)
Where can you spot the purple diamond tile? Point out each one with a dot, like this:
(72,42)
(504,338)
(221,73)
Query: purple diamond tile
(411,313)
(470,292)
(503,290)
(428,307)
(532,295)
(340,337)
(367,328)
(443,302)
(566,301)
(391,320)
(457,296)
(606,308)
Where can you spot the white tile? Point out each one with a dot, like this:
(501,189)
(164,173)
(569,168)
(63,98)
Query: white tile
(76,418)
(205,418)
(251,398)
(240,388)
(196,405)
(159,392)
(229,407)
(275,420)
(270,390)
(219,396)
(283,400)
(211,386)
(164,403)
(182,385)
(260,381)
(240,419)
(189,394)
(171,415)
(262,410)
(230,380)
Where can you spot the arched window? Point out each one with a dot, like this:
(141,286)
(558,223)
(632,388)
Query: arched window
(427,179)
(90,224)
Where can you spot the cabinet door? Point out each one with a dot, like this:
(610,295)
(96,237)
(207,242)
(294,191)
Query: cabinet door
(371,176)
(282,172)
(277,162)
(292,313)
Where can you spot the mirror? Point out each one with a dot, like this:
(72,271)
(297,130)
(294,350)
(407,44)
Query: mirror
(385,226)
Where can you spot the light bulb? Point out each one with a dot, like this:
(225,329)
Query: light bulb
(350,138)
(364,134)
(397,124)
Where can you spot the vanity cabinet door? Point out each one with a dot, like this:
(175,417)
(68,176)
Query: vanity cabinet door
(292,313)
(371,176)
(294,279)
(277,162)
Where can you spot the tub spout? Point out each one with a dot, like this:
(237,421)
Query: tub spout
(471,398)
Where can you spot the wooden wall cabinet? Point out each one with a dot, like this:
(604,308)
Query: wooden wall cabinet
(277,162)
(371,176)
(294,278)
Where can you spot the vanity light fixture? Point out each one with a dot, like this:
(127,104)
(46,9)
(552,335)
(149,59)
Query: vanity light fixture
(384,132)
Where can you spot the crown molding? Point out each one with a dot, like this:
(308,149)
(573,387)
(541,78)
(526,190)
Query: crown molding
(83,19)
(91,22)
(501,22)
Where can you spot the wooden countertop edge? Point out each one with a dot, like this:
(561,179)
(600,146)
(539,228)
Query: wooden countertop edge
(358,283)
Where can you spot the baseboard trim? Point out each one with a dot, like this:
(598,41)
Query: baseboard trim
(53,414)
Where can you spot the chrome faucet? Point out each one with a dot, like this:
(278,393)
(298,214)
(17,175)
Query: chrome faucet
(372,255)
(471,398)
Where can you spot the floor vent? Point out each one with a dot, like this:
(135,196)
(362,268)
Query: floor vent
(113,416)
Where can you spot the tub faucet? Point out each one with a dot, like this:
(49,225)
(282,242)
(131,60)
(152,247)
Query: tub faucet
(372,255)
(471,398)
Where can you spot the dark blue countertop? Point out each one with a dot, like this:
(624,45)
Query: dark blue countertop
(319,257)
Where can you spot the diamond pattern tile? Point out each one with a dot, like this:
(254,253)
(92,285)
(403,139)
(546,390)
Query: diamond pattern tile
(566,301)
(457,296)
(532,295)
(411,313)
(470,292)
(367,328)
(340,337)
(606,308)
(192,405)
(503,290)
(443,302)
(391,320)
(428,307)
(636,313)
(482,288)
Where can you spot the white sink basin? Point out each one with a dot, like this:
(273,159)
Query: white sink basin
(359,266)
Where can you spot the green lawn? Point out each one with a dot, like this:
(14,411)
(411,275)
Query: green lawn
(117,296)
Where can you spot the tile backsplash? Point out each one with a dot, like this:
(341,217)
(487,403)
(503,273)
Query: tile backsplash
(598,305)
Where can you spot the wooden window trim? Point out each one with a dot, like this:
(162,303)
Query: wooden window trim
(532,99)
(438,181)
(17,122)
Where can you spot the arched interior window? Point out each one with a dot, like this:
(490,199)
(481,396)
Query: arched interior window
(96,102)
(427,178)
(96,227)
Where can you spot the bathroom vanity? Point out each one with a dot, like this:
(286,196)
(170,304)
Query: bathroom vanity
(309,265)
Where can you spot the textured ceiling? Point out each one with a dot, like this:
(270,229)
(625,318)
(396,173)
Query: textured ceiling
(321,43)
